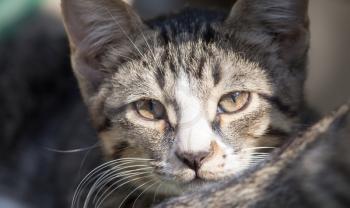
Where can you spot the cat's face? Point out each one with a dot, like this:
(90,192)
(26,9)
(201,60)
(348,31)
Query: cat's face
(202,102)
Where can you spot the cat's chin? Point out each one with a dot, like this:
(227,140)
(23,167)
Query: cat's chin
(195,184)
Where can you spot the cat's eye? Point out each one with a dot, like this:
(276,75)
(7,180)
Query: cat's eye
(233,102)
(150,109)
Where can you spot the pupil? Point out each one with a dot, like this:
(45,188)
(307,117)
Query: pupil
(235,96)
(151,106)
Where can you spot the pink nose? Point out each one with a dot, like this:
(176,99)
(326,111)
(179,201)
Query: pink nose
(193,160)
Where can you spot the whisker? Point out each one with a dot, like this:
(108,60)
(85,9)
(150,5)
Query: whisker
(111,178)
(263,157)
(99,201)
(86,179)
(258,158)
(116,170)
(95,173)
(155,193)
(133,205)
(121,204)
(114,189)
(73,150)
(255,148)
(260,155)
(98,184)
(255,161)
(82,163)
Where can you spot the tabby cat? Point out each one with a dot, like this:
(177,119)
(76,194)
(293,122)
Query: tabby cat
(186,100)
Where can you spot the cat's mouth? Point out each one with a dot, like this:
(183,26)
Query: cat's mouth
(187,179)
(178,186)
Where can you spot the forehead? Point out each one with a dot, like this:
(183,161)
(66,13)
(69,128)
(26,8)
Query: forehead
(208,59)
(205,68)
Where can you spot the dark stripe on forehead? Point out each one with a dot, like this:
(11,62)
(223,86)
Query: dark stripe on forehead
(282,107)
(199,72)
(189,20)
(160,77)
(172,68)
(165,36)
(216,73)
(208,34)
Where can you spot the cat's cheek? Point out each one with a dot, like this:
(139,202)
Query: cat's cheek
(108,142)
(133,117)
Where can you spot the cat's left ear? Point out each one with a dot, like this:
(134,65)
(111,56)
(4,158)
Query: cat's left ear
(284,22)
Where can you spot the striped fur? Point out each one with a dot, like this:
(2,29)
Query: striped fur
(187,62)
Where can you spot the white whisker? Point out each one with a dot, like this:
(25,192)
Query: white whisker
(133,205)
(78,150)
(155,193)
(92,175)
(256,148)
(109,179)
(109,190)
(127,196)
(258,157)
(91,192)
(113,170)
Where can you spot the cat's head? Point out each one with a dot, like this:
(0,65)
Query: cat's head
(197,99)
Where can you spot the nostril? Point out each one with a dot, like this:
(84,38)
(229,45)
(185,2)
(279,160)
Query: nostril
(190,163)
(193,160)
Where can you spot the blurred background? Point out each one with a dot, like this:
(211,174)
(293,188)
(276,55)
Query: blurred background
(36,85)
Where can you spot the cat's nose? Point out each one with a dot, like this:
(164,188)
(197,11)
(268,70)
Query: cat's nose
(193,160)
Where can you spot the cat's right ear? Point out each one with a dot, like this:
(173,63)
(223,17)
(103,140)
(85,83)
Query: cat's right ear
(93,25)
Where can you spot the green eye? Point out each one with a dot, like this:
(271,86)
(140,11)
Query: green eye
(150,109)
(233,102)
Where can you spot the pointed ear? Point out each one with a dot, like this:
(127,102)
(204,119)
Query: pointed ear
(286,21)
(92,26)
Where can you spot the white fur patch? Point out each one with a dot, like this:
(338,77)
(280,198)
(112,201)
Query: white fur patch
(195,133)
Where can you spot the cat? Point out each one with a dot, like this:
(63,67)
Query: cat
(184,101)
